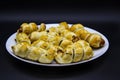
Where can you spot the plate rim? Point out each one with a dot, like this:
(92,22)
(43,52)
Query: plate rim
(106,46)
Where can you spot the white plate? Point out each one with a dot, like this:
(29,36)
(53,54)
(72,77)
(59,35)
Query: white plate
(97,53)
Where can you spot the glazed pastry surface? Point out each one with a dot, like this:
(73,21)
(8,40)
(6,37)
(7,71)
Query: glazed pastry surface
(62,44)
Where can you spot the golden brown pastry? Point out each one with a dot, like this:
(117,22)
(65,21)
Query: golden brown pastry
(42,27)
(40,43)
(78,52)
(65,42)
(88,52)
(39,54)
(22,37)
(64,25)
(38,35)
(63,57)
(62,44)
(47,56)
(69,35)
(75,27)
(53,34)
(82,33)
(20,49)
(63,32)
(52,29)
(56,40)
(28,28)
(34,53)
(95,40)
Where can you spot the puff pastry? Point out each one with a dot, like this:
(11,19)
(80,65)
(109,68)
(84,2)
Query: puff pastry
(87,50)
(20,49)
(62,44)
(38,35)
(94,39)
(34,53)
(42,27)
(28,27)
(62,56)
(22,37)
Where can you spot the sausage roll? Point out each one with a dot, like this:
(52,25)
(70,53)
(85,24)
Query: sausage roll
(40,43)
(95,40)
(28,28)
(88,52)
(63,57)
(77,52)
(62,44)
(46,57)
(22,37)
(56,40)
(65,42)
(34,53)
(38,35)
(42,27)
(64,25)
(74,27)
(70,35)
(20,49)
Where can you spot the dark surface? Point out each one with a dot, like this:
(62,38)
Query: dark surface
(102,16)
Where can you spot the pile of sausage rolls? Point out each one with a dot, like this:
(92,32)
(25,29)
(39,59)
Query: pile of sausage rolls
(62,44)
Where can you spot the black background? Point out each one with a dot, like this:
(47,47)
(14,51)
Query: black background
(104,16)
